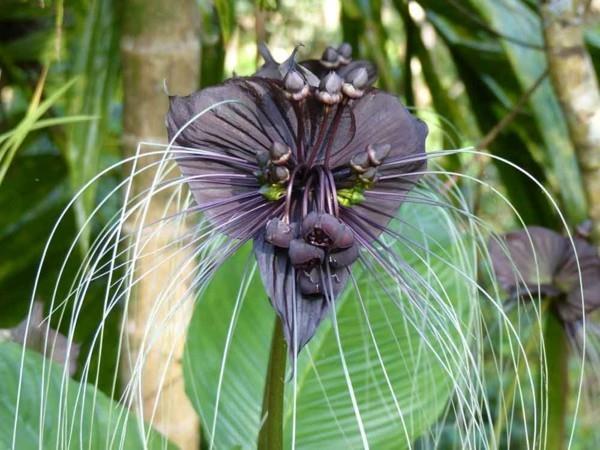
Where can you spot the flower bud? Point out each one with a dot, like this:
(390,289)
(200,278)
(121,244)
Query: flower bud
(360,162)
(378,152)
(321,229)
(279,153)
(356,82)
(295,85)
(344,53)
(330,58)
(330,89)
(279,174)
(262,158)
(369,176)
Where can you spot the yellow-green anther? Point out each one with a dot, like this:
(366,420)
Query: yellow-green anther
(351,196)
(272,192)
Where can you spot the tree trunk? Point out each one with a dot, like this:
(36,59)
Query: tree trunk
(576,86)
(575,83)
(159,44)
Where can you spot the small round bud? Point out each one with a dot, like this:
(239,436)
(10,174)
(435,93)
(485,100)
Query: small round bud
(279,153)
(360,162)
(356,82)
(330,89)
(369,176)
(262,158)
(279,174)
(309,282)
(295,85)
(345,53)
(584,229)
(305,255)
(378,152)
(293,81)
(330,58)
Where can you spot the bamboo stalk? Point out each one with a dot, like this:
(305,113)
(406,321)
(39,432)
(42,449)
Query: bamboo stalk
(159,44)
(576,86)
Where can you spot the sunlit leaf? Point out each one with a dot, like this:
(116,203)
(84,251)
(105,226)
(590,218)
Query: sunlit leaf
(74,416)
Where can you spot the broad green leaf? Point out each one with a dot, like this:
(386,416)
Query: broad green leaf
(74,416)
(413,357)
(35,192)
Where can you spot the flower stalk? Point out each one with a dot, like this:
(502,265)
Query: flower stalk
(557,381)
(270,436)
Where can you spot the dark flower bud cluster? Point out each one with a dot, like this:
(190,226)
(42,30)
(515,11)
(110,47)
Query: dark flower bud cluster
(272,164)
(330,79)
(364,164)
(321,240)
(332,57)
(292,171)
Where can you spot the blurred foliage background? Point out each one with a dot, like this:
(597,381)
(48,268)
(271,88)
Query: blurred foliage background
(475,70)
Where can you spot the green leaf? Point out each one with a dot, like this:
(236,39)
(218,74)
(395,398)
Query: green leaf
(94,44)
(74,415)
(515,18)
(413,357)
(226,12)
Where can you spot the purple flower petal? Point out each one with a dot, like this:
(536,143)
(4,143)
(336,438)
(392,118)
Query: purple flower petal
(567,279)
(524,261)
(300,314)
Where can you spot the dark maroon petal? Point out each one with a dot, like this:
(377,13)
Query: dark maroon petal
(303,254)
(323,229)
(343,258)
(381,119)
(522,261)
(225,143)
(567,279)
(299,313)
(279,233)
(260,116)
(310,282)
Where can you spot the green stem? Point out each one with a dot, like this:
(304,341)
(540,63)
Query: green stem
(557,353)
(509,396)
(271,433)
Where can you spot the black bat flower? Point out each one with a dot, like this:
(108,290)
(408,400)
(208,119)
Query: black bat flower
(309,161)
(538,260)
